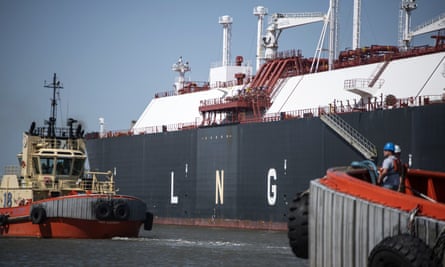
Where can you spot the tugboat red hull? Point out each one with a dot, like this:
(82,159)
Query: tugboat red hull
(86,216)
(72,228)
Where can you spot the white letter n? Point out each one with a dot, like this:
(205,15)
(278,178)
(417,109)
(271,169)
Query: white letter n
(219,188)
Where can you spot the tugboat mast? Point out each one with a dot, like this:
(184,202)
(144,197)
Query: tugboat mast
(52,119)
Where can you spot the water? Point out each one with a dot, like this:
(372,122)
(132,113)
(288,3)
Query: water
(163,246)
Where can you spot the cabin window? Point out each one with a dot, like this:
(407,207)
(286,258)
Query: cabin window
(78,165)
(63,166)
(35,164)
(47,165)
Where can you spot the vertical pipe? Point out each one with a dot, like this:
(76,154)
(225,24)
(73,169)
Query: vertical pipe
(332,32)
(356,25)
(226,21)
(260,12)
(259,46)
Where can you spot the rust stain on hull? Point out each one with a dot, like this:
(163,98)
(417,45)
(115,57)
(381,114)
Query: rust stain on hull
(224,223)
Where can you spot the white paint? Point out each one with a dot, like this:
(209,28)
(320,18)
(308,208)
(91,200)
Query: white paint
(219,187)
(173,199)
(271,188)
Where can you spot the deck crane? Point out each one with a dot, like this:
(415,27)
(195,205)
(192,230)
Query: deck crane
(406,34)
(280,21)
(434,25)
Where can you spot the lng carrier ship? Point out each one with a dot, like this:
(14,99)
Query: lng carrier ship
(234,150)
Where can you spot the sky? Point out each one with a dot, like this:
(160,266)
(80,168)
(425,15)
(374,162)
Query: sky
(112,56)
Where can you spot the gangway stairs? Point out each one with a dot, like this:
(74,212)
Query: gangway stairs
(350,135)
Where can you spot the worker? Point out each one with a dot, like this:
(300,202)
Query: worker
(389,176)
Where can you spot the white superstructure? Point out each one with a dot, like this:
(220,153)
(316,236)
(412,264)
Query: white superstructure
(223,73)
(401,78)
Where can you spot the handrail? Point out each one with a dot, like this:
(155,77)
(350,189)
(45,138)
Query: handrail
(351,134)
(347,106)
(342,62)
(429,22)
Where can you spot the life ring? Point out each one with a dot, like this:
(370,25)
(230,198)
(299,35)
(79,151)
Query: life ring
(38,215)
(103,210)
(402,250)
(121,211)
(298,226)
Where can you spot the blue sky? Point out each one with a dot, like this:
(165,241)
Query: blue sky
(113,56)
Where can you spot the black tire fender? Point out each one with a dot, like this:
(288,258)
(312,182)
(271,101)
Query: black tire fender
(298,225)
(402,250)
(148,223)
(3,220)
(103,210)
(439,247)
(38,215)
(121,211)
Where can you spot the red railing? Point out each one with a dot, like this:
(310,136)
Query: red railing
(348,58)
(339,107)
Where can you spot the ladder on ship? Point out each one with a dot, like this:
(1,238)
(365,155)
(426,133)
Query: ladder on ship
(377,75)
(350,135)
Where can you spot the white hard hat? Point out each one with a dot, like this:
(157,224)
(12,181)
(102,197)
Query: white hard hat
(397,149)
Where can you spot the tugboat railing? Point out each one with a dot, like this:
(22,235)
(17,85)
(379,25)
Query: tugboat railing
(101,187)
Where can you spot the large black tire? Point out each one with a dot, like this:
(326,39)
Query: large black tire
(103,210)
(3,220)
(121,211)
(148,223)
(402,250)
(439,247)
(298,225)
(38,215)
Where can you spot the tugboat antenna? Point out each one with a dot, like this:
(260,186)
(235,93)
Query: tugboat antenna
(52,119)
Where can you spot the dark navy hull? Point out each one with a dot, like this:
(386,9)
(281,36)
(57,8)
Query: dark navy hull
(250,172)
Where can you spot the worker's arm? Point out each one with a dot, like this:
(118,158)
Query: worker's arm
(381,175)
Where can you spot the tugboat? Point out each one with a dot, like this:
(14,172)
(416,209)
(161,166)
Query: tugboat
(50,195)
(346,219)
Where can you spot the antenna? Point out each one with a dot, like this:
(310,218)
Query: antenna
(52,119)
(181,68)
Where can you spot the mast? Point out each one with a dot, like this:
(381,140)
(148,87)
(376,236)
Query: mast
(405,22)
(260,12)
(333,33)
(52,119)
(181,68)
(356,25)
(226,21)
